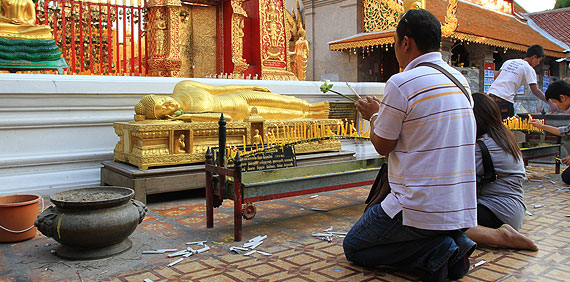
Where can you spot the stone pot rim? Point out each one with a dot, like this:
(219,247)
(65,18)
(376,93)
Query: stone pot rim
(124,194)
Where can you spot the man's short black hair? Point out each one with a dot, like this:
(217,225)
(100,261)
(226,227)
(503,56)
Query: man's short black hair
(423,27)
(557,88)
(535,50)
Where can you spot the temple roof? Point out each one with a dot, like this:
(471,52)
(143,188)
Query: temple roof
(555,22)
(475,24)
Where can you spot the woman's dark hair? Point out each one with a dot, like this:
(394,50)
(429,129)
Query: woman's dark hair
(423,27)
(488,118)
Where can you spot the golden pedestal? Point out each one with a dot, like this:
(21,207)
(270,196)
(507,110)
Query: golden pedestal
(154,143)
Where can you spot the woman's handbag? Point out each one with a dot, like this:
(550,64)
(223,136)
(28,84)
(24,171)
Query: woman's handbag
(380,189)
(488,167)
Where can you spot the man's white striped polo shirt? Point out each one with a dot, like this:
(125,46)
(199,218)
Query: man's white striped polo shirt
(432,167)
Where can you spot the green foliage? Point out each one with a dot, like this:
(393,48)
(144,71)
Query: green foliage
(562,4)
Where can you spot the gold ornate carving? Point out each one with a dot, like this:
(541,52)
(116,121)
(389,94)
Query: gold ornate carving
(187,142)
(273,20)
(120,145)
(159,26)
(361,43)
(273,41)
(450,20)
(298,46)
(494,42)
(238,16)
(414,4)
(269,74)
(162,143)
(381,15)
(163,38)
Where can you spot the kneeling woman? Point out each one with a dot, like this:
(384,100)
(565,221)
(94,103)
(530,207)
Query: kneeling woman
(500,206)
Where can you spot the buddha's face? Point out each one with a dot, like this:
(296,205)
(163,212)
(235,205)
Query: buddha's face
(166,106)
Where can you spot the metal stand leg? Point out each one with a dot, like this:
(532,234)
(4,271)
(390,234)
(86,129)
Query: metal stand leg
(209,192)
(238,199)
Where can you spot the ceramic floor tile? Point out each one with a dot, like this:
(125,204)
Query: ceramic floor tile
(296,255)
(7,278)
(148,218)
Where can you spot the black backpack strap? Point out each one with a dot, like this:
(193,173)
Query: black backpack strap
(449,75)
(489,175)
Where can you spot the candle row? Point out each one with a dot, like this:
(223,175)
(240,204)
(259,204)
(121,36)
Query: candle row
(283,134)
(516,123)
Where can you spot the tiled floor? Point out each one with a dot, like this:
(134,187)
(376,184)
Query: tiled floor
(175,219)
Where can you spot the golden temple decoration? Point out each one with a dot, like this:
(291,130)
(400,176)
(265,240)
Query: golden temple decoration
(388,39)
(298,46)
(238,16)
(18,21)
(273,41)
(179,129)
(163,36)
(165,143)
(381,15)
(495,42)
(414,4)
(450,20)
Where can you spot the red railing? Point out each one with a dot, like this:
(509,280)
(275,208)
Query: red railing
(103,37)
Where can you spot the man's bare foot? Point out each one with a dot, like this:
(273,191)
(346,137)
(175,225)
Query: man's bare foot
(511,238)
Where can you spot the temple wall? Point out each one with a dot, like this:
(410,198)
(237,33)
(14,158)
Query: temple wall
(326,21)
(56,130)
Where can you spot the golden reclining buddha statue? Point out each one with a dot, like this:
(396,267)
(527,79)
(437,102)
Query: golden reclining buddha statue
(204,102)
(178,129)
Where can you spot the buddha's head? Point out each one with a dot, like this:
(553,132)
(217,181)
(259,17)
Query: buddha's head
(155,107)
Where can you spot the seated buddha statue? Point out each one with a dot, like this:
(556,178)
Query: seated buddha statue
(22,41)
(197,101)
(18,21)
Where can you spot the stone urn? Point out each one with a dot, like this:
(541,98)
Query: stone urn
(92,223)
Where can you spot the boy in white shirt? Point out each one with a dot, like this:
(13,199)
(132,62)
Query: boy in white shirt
(514,74)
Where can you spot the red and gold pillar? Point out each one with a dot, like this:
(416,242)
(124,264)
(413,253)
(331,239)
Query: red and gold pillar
(163,32)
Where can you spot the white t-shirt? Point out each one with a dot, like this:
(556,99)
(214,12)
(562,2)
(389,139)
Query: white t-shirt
(514,74)
(432,167)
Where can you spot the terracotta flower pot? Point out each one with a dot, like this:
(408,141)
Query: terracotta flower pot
(17,216)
